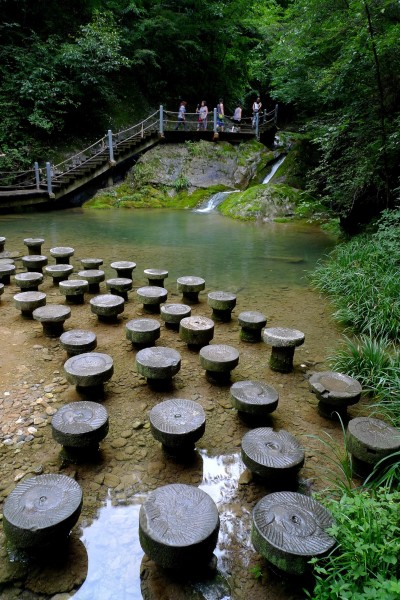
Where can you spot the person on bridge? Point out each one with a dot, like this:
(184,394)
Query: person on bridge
(237,117)
(203,112)
(181,116)
(257,106)
(220,115)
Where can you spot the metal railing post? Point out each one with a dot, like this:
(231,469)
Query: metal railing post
(48,173)
(276,114)
(215,120)
(110,146)
(37,175)
(257,125)
(161,120)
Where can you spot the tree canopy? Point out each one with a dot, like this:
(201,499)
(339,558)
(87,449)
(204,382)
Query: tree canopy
(93,64)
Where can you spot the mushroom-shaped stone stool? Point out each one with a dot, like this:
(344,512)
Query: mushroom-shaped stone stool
(124,268)
(222,304)
(254,398)
(273,455)
(251,323)
(283,342)
(190,287)
(52,318)
(78,341)
(218,361)
(158,364)
(1,288)
(178,526)
(34,245)
(172,314)
(62,254)
(89,370)
(59,272)
(5,273)
(289,529)
(156,276)
(94,277)
(152,296)
(119,286)
(80,426)
(196,332)
(27,302)
(34,263)
(107,307)
(74,290)
(7,261)
(369,441)
(41,511)
(91,263)
(2,243)
(177,424)
(142,332)
(335,392)
(29,281)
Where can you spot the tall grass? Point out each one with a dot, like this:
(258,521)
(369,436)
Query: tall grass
(362,278)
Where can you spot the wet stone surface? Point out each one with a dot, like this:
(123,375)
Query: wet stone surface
(90,369)
(254,397)
(290,528)
(177,423)
(252,322)
(370,440)
(335,392)
(80,424)
(283,341)
(158,362)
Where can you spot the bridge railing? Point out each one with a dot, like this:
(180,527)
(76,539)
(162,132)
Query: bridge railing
(17,180)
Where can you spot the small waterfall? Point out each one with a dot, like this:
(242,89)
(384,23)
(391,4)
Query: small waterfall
(274,169)
(213,202)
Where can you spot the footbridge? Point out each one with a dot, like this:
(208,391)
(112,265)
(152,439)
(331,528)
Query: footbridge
(98,164)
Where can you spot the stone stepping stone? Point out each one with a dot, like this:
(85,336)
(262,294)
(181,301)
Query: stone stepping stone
(27,302)
(178,526)
(94,277)
(254,398)
(197,331)
(91,263)
(177,423)
(156,276)
(124,268)
(29,282)
(142,332)
(370,440)
(283,342)
(5,273)
(335,392)
(119,286)
(190,287)
(52,318)
(74,290)
(34,262)
(89,370)
(41,511)
(273,455)
(288,529)
(158,363)
(219,360)
(151,297)
(59,272)
(251,323)
(62,254)
(78,341)
(34,245)
(222,304)
(6,261)
(80,425)
(2,243)
(172,314)
(107,307)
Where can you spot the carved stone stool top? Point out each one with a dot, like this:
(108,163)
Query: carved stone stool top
(281,337)
(80,424)
(331,387)
(254,396)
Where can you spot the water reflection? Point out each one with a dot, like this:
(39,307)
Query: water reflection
(112,540)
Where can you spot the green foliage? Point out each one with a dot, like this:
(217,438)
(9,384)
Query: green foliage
(365,562)
(362,278)
(181,183)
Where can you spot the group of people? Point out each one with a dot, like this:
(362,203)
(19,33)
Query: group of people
(202,112)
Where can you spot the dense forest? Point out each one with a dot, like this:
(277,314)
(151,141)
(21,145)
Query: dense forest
(69,71)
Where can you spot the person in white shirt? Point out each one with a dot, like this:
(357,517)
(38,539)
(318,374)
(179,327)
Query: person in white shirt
(257,106)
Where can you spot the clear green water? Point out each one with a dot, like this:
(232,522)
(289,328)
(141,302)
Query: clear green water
(229,255)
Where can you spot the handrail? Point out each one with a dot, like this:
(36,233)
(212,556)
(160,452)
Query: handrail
(38,178)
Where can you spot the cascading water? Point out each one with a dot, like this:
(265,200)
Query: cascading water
(213,202)
(274,169)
